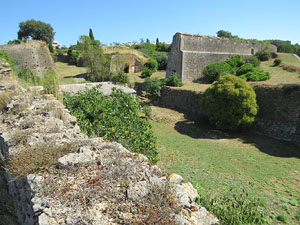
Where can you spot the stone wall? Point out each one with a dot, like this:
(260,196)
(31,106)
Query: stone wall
(32,54)
(94,182)
(279,108)
(189,53)
(119,61)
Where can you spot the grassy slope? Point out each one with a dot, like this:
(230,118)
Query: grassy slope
(70,74)
(201,157)
(125,50)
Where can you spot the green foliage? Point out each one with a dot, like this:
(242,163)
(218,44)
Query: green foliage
(151,64)
(277,62)
(94,59)
(263,55)
(91,34)
(146,72)
(50,83)
(5,56)
(256,75)
(252,59)
(234,207)
(235,61)
(50,46)
(230,103)
(287,48)
(16,41)
(153,88)
(37,30)
(247,67)
(282,218)
(174,80)
(298,216)
(146,47)
(115,118)
(73,57)
(121,78)
(214,70)
(26,75)
(162,60)
(225,34)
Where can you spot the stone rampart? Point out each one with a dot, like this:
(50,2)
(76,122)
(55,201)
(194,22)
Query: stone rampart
(189,53)
(32,54)
(279,108)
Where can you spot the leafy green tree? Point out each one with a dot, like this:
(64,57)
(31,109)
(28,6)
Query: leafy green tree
(91,35)
(94,59)
(287,48)
(37,30)
(214,70)
(152,64)
(51,47)
(224,34)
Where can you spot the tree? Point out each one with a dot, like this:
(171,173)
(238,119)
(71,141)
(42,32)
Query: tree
(157,43)
(91,35)
(225,34)
(37,30)
(94,59)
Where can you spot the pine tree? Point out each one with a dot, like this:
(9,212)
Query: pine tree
(91,35)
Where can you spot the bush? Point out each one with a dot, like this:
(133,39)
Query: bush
(5,56)
(173,80)
(247,67)
(162,60)
(151,64)
(74,57)
(26,75)
(120,78)
(274,55)
(214,70)
(256,75)
(263,55)
(146,72)
(277,62)
(115,118)
(50,83)
(235,61)
(153,88)
(230,103)
(234,207)
(252,59)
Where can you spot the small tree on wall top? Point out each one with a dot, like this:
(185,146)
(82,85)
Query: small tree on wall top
(37,30)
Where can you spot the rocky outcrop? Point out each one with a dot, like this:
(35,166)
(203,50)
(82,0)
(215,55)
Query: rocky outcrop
(60,176)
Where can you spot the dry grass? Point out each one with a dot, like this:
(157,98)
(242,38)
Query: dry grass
(125,50)
(37,158)
(69,74)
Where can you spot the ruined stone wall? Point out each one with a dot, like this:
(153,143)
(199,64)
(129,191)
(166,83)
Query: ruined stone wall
(191,53)
(32,54)
(119,61)
(279,108)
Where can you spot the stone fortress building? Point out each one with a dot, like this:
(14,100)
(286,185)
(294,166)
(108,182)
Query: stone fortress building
(190,53)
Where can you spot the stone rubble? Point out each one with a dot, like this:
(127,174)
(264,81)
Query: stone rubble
(97,182)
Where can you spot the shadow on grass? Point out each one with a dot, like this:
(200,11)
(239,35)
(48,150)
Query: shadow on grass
(274,147)
(82,75)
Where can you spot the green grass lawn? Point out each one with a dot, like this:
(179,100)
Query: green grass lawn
(289,59)
(268,168)
(70,74)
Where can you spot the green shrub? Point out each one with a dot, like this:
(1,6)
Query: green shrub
(5,56)
(247,67)
(73,57)
(146,72)
(173,80)
(214,70)
(256,75)
(162,60)
(234,207)
(277,62)
(50,83)
(153,88)
(274,55)
(230,103)
(282,218)
(235,61)
(15,41)
(151,64)
(263,55)
(121,78)
(26,75)
(115,118)
(252,59)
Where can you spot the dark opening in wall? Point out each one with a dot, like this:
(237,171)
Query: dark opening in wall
(252,51)
(126,68)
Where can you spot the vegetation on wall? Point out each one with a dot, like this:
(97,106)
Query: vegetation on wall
(115,118)
(230,103)
(5,56)
(37,30)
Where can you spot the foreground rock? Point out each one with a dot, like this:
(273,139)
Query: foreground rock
(60,176)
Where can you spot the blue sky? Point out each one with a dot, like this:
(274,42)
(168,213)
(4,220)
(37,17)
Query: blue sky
(130,20)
